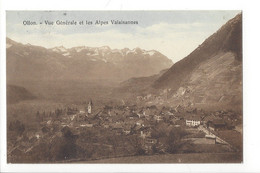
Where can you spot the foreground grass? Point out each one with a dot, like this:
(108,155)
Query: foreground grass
(176,158)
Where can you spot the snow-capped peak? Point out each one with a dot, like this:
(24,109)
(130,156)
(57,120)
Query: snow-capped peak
(150,52)
(79,49)
(66,54)
(104,48)
(59,49)
(140,51)
(135,51)
(103,51)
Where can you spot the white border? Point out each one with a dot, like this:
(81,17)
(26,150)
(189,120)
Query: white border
(251,85)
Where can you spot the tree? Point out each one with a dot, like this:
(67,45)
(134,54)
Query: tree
(65,147)
(174,142)
(17,127)
(136,143)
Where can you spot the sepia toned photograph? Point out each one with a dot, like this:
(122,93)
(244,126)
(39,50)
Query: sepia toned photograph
(133,87)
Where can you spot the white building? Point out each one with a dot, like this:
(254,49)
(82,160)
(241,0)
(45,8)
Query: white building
(193,121)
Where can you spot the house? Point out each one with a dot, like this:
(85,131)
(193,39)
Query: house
(117,128)
(191,110)
(133,107)
(145,133)
(206,118)
(72,111)
(80,117)
(136,129)
(167,117)
(45,129)
(158,118)
(150,110)
(139,122)
(192,120)
(86,125)
(72,116)
(116,112)
(127,129)
(141,113)
(132,115)
(82,112)
(217,124)
(148,145)
(150,141)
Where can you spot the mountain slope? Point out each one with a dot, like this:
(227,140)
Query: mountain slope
(216,82)
(211,75)
(227,38)
(136,86)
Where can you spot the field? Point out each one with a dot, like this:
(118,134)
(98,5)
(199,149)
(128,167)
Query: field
(72,92)
(232,137)
(176,158)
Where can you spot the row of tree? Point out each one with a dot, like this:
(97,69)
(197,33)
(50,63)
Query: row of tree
(57,113)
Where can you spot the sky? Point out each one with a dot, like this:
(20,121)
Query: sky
(173,33)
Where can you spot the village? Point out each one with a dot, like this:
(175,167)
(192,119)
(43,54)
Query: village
(89,132)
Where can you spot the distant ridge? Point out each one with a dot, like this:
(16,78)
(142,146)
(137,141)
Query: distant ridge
(26,62)
(16,94)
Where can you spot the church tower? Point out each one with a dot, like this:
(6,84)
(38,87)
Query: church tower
(90,107)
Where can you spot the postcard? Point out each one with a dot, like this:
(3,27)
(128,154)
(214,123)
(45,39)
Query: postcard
(124,87)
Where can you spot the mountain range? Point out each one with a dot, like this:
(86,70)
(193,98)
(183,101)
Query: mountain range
(26,62)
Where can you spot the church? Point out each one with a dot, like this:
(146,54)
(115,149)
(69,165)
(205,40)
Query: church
(89,107)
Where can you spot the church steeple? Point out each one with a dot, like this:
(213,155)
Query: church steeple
(90,107)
